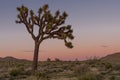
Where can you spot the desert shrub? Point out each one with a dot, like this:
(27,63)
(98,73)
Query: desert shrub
(81,69)
(56,70)
(41,76)
(56,59)
(48,59)
(67,67)
(112,78)
(93,61)
(20,65)
(105,66)
(90,76)
(28,72)
(3,76)
(116,67)
(16,72)
(108,65)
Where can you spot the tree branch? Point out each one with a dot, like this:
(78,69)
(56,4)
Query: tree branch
(49,25)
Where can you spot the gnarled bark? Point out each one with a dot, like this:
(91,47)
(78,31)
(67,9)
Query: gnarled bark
(35,57)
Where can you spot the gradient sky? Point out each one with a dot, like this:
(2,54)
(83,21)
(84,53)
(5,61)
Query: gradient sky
(96,25)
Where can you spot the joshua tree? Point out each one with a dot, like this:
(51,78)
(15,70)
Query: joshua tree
(49,26)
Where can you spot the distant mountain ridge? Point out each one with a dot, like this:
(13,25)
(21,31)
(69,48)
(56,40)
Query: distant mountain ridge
(0,58)
(9,58)
(112,58)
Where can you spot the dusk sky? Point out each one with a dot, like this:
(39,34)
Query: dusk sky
(96,25)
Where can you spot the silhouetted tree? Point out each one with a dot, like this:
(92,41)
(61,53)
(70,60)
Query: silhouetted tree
(49,26)
(48,59)
(57,59)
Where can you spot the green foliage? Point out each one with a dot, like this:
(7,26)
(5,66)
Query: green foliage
(45,7)
(65,14)
(48,27)
(69,44)
(31,12)
(57,13)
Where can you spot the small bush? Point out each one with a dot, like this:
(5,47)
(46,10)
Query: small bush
(81,69)
(93,61)
(40,75)
(108,65)
(16,72)
(56,59)
(90,76)
(112,78)
(116,67)
(48,59)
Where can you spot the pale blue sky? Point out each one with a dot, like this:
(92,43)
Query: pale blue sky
(95,23)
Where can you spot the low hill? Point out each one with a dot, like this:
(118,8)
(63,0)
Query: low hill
(0,58)
(112,58)
(9,58)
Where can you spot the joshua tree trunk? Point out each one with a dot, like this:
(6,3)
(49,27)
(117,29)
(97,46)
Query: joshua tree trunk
(35,57)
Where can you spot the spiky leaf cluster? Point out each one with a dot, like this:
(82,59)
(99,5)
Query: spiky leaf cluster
(50,26)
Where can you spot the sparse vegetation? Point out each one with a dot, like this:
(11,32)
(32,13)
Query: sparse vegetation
(92,69)
(90,76)
(15,72)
